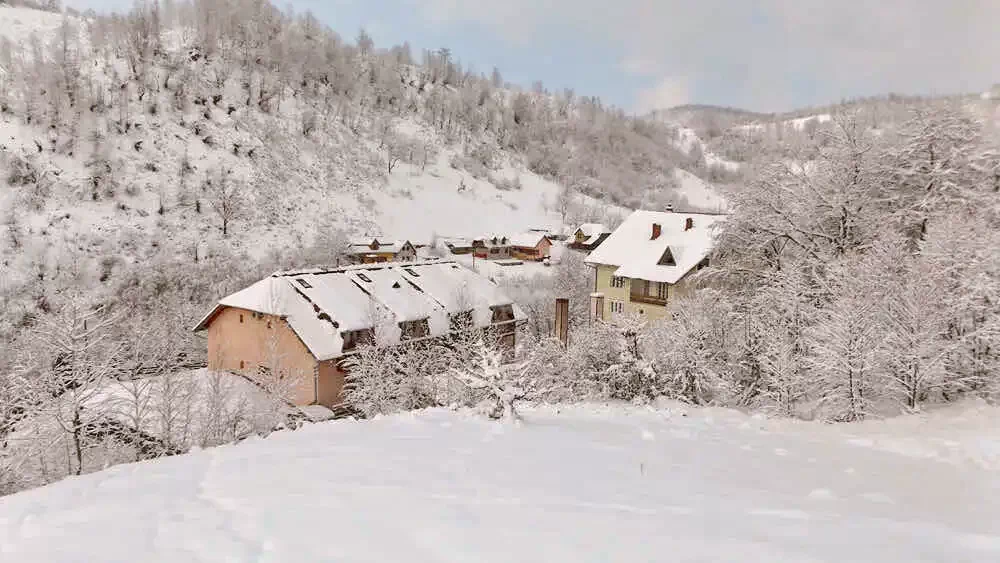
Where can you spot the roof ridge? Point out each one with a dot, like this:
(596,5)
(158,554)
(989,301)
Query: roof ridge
(356,267)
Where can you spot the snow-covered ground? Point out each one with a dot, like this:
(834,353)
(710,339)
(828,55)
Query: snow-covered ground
(698,192)
(19,24)
(688,139)
(585,483)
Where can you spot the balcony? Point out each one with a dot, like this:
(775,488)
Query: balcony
(647,299)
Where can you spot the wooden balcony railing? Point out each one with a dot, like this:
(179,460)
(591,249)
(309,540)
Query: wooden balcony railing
(647,299)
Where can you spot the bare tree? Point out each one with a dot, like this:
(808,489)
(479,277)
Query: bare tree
(226,197)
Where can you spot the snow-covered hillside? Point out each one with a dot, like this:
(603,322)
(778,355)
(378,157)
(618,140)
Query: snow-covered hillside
(575,484)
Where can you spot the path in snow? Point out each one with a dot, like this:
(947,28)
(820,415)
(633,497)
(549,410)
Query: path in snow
(583,484)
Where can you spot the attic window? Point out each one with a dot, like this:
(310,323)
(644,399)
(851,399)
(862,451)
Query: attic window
(303,283)
(395,285)
(667,259)
(364,278)
(412,272)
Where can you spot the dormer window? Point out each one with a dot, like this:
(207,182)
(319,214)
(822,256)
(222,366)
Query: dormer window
(304,283)
(667,259)
(364,277)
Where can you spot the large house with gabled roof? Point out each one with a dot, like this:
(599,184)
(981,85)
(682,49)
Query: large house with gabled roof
(647,262)
(301,325)
(375,251)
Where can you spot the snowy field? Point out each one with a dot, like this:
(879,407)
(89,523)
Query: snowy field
(586,483)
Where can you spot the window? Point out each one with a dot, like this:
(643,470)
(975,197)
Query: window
(662,290)
(412,272)
(667,259)
(617,282)
(242,364)
(617,307)
(414,329)
(241,318)
(355,338)
(303,283)
(364,277)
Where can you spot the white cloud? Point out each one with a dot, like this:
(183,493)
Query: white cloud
(667,92)
(764,54)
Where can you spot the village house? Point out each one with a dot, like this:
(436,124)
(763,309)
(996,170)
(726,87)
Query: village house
(491,247)
(589,236)
(530,246)
(647,262)
(300,326)
(373,251)
(458,246)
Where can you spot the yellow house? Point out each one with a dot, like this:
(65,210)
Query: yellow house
(374,251)
(646,262)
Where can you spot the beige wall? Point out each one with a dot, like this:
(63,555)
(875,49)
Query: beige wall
(611,294)
(263,341)
(331,383)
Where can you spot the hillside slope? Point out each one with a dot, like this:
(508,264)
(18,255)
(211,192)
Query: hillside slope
(167,138)
(576,484)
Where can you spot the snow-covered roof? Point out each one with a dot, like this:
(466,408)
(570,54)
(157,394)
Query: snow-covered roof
(364,246)
(592,232)
(591,229)
(319,305)
(458,242)
(526,240)
(632,248)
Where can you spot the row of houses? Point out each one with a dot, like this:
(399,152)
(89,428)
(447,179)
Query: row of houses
(304,324)
(535,244)
(301,326)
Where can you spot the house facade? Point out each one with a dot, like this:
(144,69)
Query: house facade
(374,251)
(647,263)
(530,246)
(295,329)
(589,236)
(491,247)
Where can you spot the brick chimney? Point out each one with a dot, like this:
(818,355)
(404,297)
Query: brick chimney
(688,224)
(656,231)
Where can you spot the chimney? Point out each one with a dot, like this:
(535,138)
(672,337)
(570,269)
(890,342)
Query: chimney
(596,307)
(562,320)
(669,208)
(688,224)
(656,231)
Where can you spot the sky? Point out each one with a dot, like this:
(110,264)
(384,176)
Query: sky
(762,55)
